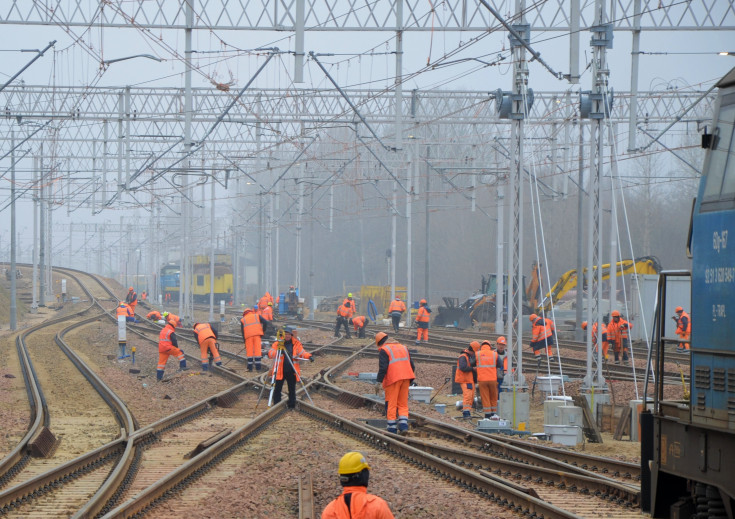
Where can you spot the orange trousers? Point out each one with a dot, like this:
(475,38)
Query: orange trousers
(206,346)
(489,396)
(252,346)
(468,396)
(422,333)
(396,397)
(163,357)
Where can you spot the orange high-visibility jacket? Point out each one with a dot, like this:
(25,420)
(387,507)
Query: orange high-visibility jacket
(399,363)
(204,331)
(487,364)
(358,322)
(251,324)
(173,318)
(684,325)
(125,310)
(155,315)
(298,353)
(397,306)
(541,329)
(362,505)
(423,316)
(267,313)
(465,360)
(617,331)
(343,311)
(164,338)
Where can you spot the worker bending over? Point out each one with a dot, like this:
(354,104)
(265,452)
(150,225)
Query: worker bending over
(168,345)
(354,502)
(360,324)
(207,339)
(126,311)
(487,379)
(395,371)
(287,366)
(422,322)
(465,375)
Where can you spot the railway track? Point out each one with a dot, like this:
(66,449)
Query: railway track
(234,440)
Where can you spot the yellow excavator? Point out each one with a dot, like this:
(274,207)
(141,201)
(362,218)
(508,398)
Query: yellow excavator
(568,280)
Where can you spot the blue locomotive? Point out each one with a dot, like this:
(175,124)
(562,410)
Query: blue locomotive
(688,446)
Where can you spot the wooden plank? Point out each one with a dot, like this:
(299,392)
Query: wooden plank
(623,425)
(306,497)
(591,431)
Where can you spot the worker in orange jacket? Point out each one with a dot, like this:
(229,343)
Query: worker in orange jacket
(422,322)
(251,326)
(267,315)
(350,300)
(172,318)
(127,311)
(542,336)
(132,298)
(168,345)
(683,328)
(396,372)
(359,322)
(287,367)
(605,344)
(144,295)
(207,339)
(354,475)
(154,315)
(617,334)
(465,375)
(344,314)
(487,379)
(395,310)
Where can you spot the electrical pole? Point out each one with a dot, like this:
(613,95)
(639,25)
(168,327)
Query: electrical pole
(13,282)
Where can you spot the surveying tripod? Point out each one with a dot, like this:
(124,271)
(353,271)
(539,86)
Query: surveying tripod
(280,355)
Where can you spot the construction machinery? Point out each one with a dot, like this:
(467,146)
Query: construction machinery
(482,306)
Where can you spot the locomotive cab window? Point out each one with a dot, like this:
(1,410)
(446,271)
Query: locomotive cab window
(719,189)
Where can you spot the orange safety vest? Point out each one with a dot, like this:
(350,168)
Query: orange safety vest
(399,363)
(680,330)
(155,315)
(251,325)
(267,313)
(464,377)
(423,316)
(203,332)
(173,318)
(343,311)
(164,339)
(358,322)
(487,363)
(124,310)
(397,306)
(541,331)
(299,353)
(362,505)
(617,331)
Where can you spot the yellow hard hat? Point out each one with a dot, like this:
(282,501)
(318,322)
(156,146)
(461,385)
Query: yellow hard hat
(352,463)
(270,304)
(349,295)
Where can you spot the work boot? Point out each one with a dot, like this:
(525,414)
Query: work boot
(487,416)
(159,375)
(418,342)
(466,414)
(205,367)
(392,430)
(182,365)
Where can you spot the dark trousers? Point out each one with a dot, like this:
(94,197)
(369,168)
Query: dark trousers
(361,332)
(341,321)
(290,379)
(396,316)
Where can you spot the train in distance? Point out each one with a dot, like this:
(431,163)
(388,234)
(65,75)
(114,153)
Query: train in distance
(199,279)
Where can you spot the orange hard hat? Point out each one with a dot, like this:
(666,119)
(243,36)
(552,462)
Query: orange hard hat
(678,309)
(380,338)
(475,345)
(422,302)
(398,298)
(584,325)
(532,317)
(501,340)
(486,342)
(615,313)
(130,288)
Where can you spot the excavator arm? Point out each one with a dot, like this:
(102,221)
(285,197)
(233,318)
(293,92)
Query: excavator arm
(568,280)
